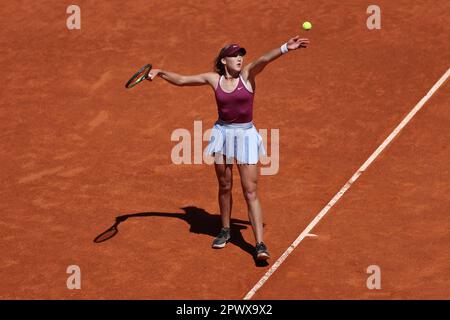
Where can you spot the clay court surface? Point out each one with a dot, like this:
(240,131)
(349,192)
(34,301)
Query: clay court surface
(78,150)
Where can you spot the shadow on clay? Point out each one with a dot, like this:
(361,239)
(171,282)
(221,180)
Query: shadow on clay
(201,222)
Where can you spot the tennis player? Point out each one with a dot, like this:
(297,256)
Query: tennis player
(234,136)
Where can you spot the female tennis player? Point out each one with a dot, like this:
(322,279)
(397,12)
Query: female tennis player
(234,137)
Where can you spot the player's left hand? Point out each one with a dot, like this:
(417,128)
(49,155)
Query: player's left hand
(297,43)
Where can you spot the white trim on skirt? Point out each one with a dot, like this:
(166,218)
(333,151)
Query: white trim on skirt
(240,141)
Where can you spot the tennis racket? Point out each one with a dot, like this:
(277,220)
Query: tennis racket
(142,74)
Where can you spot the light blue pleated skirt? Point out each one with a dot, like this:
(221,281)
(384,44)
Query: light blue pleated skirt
(240,141)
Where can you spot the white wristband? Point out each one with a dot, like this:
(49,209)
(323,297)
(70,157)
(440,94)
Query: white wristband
(284,48)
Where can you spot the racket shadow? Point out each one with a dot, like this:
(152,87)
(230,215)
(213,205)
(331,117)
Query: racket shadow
(200,221)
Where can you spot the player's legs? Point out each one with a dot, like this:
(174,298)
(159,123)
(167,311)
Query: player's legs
(249,183)
(224,173)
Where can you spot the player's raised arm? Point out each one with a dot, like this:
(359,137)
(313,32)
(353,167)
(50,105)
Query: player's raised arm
(259,64)
(182,80)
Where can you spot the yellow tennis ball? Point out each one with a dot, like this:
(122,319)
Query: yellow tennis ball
(307,25)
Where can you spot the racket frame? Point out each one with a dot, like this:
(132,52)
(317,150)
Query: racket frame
(133,82)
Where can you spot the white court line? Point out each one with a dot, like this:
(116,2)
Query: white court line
(341,192)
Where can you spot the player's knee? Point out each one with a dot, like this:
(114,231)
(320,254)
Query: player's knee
(225,185)
(250,195)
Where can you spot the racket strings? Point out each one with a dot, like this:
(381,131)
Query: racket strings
(139,76)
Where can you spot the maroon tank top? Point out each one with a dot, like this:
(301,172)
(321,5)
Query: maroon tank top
(236,106)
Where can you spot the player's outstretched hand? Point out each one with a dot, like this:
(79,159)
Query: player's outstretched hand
(152,74)
(297,43)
